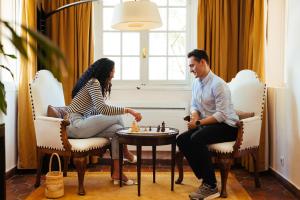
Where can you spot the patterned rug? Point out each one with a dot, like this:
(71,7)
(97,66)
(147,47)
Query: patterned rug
(98,185)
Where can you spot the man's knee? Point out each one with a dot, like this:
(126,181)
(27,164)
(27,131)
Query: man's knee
(183,139)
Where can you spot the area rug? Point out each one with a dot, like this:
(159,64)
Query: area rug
(98,185)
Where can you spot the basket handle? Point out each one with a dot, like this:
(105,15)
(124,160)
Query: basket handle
(50,163)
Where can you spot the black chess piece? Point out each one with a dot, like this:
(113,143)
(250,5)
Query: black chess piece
(150,128)
(158,128)
(163,126)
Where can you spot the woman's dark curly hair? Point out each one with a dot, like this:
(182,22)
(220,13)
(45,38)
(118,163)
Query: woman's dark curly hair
(101,70)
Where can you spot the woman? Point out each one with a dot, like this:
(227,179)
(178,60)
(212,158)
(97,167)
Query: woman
(90,116)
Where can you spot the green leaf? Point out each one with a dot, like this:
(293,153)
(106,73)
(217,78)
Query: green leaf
(2,66)
(16,40)
(9,55)
(3,105)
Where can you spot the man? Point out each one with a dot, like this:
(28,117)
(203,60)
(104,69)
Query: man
(213,120)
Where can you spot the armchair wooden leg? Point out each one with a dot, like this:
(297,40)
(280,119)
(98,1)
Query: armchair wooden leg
(80,163)
(40,156)
(225,165)
(111,162)
(66,163)
(255,155)
(179,163)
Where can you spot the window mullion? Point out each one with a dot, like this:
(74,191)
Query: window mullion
(144,61)
(167,32)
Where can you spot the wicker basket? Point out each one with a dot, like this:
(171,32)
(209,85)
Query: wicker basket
(54,181)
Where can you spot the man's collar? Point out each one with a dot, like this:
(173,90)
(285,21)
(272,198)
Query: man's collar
(207,78)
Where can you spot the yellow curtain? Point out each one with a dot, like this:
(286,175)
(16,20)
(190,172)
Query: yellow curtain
(232,33)
(71,30)
(26,134)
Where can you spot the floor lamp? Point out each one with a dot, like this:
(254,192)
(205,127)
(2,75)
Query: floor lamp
(42,17)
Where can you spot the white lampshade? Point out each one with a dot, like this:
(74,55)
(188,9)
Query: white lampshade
(136,16)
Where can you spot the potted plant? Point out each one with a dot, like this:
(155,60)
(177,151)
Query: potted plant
(48,58)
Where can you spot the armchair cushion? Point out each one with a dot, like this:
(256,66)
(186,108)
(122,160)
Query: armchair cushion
(56,112)
(224,147)
(81,145)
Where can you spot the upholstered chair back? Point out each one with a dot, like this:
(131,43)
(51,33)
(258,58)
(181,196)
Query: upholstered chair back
(247,92)
(45,90)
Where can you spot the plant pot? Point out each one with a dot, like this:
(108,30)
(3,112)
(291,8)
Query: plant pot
(2,161)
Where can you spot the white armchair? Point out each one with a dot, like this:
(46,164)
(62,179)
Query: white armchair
(248,95)
(51,133)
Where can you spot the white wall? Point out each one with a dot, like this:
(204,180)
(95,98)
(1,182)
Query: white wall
(155,98)
(284,104)
(11,128)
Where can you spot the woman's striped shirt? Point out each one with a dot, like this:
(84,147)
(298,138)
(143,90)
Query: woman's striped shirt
(89,101)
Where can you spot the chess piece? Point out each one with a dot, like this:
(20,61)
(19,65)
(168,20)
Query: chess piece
(135,127)
(158,128)
(163,126)
(145,129)
(150,128)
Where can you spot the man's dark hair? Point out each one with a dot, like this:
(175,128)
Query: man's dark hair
(198,55)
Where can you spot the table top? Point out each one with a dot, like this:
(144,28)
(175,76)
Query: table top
(148,133)
(147,138)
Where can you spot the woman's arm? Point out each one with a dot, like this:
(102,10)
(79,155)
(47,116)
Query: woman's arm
(94,89)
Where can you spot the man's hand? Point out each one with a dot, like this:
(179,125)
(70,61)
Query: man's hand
(193,118)
(192,124)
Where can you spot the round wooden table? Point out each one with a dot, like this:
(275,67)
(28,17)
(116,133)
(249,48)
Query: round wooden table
(149,138)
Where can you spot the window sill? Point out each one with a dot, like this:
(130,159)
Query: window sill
(152,87)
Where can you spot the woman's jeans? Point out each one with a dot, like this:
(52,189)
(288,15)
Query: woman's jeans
(96,126)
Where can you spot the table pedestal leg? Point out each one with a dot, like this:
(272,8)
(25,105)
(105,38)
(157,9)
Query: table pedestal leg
(154,161)
(139,160)
(120,163)
(173,164)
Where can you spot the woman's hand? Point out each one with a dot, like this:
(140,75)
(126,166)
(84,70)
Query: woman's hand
(136,115)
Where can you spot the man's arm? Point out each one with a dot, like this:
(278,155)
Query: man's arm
(222,96)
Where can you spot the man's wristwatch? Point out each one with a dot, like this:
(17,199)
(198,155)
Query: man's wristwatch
(198,123)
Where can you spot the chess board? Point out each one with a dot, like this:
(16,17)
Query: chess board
(146,131)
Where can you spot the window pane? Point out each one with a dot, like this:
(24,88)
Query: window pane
(157,43)
(160,2)
(177,68)
(177,44)
(117,61)
(110,2)
(157,68)
(163,16)
(131,44)
(177,2)
(131,68)
(177,19)
(107,17)
(111,43)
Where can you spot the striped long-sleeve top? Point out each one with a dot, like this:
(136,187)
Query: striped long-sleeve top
(89,101)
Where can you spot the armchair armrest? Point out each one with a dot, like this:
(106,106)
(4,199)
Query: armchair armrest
(51,133)
(248,133)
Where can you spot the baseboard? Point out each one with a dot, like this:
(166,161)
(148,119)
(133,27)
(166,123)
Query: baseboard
(289,186)
(10,173)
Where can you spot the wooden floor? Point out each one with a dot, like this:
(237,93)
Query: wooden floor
(21,185)
(98,185)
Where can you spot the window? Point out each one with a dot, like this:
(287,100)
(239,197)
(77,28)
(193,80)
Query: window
(10,11)
(149,57)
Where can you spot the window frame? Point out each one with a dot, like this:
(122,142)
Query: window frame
(144,82)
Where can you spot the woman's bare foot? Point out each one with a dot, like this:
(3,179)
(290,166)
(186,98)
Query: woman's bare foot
(128,155)
(116,176)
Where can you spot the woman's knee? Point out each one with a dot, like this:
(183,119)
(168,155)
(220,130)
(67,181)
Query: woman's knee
(120,120)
